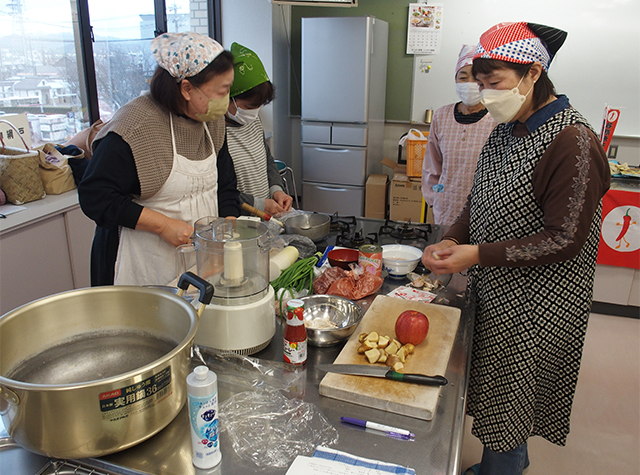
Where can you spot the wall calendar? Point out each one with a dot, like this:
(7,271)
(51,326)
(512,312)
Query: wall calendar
(424,31)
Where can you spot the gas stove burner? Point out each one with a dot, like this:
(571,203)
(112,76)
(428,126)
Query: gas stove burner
(356,240)
(405,230)
(341,223)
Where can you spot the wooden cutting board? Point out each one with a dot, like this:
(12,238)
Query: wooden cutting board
(430,357)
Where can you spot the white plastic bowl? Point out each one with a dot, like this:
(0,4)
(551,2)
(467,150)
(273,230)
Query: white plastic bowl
(398,260)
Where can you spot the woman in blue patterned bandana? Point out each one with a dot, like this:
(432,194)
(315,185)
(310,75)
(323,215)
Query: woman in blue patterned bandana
(161,163)
(529,236)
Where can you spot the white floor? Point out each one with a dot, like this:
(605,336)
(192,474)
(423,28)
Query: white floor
(605,421)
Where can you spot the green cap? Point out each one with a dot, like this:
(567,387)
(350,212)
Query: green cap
(248,69)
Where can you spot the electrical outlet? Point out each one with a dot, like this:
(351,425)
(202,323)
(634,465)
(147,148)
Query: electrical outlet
(613,151)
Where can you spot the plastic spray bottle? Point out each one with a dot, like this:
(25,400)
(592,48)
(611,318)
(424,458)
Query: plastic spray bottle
(202,392)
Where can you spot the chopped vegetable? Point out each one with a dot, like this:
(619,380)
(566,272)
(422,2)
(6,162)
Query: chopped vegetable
(383,349)
(372,355)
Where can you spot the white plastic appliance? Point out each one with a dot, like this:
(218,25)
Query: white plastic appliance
(233,255)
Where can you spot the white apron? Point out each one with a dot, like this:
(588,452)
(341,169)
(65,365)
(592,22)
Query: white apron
(190,193)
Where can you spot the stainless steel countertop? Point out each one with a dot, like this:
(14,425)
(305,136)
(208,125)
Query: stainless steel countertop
(435,450)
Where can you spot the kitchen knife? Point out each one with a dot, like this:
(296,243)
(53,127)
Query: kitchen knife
(383,372)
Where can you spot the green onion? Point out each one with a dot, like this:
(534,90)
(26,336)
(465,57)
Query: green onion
(298,276)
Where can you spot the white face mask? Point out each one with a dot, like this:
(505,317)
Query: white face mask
(243,116)
(468,92)
(504,104)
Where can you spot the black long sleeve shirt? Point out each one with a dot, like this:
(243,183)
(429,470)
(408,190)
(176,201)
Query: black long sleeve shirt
(106,196)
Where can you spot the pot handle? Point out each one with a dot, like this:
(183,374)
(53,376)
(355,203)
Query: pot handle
(9,396)
(205,288)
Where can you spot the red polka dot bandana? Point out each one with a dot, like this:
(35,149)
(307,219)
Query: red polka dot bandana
(514,43)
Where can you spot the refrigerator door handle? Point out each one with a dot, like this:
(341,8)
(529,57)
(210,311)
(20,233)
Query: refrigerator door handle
(331,150)
(329,188)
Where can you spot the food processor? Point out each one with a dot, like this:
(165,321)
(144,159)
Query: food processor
(233,255)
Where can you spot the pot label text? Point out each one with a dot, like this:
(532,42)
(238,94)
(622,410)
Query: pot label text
(120,403)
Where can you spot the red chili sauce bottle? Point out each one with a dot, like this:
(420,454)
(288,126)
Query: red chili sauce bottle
(295,334)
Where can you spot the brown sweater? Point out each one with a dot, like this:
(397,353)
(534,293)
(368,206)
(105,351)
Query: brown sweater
(144,125)
(552,185)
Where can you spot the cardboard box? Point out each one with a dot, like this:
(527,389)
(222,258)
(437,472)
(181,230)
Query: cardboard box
(9,135)
(406,201)
(376,196)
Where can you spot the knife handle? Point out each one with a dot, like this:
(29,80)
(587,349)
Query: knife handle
(416,378)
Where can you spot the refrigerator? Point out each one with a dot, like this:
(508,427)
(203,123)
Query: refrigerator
(343,86)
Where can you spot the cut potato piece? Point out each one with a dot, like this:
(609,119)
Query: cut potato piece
(362,349)
(392,348)
(391,360)
(398,366)
(370,344)
(373,336)
(402,354)
(383,341)
(410,348)
(362,337)
(383,357)
(372,355)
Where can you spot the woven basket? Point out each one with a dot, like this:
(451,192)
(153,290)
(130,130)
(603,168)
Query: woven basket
(20,174)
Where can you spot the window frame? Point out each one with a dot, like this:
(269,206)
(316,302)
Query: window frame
(214,16)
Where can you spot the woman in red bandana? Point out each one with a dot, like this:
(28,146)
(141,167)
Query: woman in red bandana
(529,235)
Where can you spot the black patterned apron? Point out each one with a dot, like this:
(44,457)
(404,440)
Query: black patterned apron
(530,321)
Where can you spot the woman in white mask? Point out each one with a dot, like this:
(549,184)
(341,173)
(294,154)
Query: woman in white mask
(259,181)
(456,136)
(529,236)
(160,164)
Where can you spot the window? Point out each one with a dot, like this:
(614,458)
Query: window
(123,30)
(41,57)
(39,68)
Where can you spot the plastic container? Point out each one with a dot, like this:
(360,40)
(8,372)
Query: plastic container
(202,392)
(295,334)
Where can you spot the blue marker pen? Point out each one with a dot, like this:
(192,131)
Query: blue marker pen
(394,431)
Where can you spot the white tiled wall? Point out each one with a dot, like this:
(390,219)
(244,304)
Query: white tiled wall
(199,22)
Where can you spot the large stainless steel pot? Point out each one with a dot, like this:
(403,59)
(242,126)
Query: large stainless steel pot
(315,226)
(93,371)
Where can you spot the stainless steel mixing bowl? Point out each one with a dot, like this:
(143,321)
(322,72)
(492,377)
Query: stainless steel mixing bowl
(330,319)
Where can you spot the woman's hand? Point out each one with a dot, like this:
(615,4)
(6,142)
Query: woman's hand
(284,200)
(447,257)
(271,207)
(177,232)
(173,231)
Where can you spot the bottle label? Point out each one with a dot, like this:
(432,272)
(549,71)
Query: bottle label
(295,312)
(295,352)
(203,414)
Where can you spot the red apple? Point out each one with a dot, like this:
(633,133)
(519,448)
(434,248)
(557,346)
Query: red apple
(412,327)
